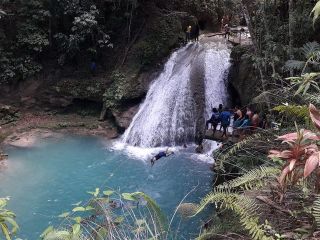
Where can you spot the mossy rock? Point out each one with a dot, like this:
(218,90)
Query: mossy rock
(84,89)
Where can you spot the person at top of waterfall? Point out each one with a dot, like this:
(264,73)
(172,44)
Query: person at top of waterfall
(196,32)
(161,154)
(225,118)
(93,67)
(188,33)
(226,31)
(214,120)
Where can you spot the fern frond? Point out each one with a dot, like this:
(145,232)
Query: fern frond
(316,211)
(254,179)
(243,206)
(295,111)
(310,49)
(312,98)
(211,233)
(294,65)
(220,161)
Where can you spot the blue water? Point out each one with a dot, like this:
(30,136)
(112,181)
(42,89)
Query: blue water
(46,180)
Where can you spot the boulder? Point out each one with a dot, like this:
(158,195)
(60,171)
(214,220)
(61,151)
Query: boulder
(123,117)
(243,77)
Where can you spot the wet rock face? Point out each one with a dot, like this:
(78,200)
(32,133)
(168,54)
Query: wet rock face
(243,78)
(123,117)
(197,77)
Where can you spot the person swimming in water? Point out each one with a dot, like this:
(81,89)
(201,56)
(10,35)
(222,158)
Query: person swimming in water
(167,153)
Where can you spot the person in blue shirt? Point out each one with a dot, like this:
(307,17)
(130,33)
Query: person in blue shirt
(93,67)
(214,120)
(246,122)
(161,155)
(225,118)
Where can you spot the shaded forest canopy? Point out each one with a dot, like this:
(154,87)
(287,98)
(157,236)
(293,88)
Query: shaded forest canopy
(35,33)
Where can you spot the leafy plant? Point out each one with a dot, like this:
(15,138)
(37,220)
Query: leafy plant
(111,215)
(254,179)
(243,206)
(8,225)
(303,156)
(316,12)
(293,111)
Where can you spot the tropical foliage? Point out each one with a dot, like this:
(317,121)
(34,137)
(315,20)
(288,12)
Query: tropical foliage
(111,215)
(303,156)
(8,225)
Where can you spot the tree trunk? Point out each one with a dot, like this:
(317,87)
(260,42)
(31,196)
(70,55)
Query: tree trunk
(291,23)
(248,6)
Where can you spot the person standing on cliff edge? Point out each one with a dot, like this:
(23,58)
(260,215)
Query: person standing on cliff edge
(188,34)
(196,32)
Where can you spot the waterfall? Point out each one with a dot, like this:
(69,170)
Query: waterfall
(181,97)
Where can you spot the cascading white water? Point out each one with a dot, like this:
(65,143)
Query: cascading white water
(172,109)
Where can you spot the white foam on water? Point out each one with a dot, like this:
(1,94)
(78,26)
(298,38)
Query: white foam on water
(168,115)
(141,153)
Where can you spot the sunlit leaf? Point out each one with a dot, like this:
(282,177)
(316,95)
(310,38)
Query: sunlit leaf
(89,208)
(76,229)
(45,232)
(77,219)
(128,197)
(108,193)
(95,193)
(76,204)
(78,209)
(119,220)
(64,215)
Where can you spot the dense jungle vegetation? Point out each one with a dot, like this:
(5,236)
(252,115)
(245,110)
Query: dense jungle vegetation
(270,181)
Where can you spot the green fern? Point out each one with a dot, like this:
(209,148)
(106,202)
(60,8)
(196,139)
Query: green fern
(294,111)
(312,98)
(254,179)
(316,211)
(311,53)
(243,206)
(221,161)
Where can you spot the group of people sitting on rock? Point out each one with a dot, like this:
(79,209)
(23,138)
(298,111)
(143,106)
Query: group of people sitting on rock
(243,120)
